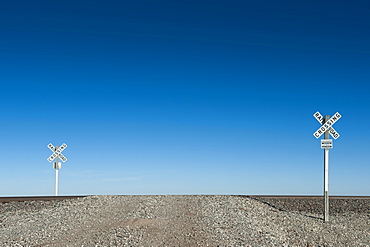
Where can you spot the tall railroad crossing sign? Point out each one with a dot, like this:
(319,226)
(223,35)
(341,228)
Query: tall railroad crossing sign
(328,125)
(326,143)
(57,152)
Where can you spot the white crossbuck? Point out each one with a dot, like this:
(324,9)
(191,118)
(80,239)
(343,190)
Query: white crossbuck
(327,125)
(57,152)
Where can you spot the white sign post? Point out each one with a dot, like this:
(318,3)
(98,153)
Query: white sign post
(57,154)
(326,143)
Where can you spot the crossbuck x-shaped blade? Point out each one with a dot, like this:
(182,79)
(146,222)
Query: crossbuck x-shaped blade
(57,152)
(321,120)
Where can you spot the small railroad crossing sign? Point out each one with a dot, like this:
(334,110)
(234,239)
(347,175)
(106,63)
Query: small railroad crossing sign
(328,125)
(57,152)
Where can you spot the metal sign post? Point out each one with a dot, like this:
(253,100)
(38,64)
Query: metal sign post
(326,175)
(326,144)
(57,154)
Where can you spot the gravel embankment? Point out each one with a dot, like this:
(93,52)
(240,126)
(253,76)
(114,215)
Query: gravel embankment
(184,221)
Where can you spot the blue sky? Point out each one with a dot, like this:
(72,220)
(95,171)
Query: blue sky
(183,97)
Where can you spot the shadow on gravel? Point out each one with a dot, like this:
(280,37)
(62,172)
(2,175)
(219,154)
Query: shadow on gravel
(314,206)
(285,210)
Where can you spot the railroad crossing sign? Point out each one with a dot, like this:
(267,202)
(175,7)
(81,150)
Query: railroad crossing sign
(57,152)
(326,143)
(328,125)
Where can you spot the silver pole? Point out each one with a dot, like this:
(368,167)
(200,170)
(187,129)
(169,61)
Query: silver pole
(326,176)
(56,181)
(56,174)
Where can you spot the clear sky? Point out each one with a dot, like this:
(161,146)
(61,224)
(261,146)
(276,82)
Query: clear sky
(183,97)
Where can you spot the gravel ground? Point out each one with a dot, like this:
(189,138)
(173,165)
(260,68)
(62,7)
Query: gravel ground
(184,221)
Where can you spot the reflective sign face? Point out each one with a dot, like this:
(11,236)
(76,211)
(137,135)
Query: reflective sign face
(61,148)
(57,153)
(328,125)
(319,117)
(51,147)
(52,157)
(62,157)
(334,133)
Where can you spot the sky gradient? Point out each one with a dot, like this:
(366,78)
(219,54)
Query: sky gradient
(183,97)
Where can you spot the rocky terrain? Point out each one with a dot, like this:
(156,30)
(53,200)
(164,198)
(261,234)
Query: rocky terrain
(200,220)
